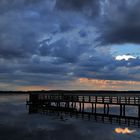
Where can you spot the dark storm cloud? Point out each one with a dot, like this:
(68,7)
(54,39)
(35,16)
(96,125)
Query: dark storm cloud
(17,47)
(120,22)
(51,42)
(45,68)
(89,7)
(7,68)
(71,51)
(8,5)
(21,28)
(74,4)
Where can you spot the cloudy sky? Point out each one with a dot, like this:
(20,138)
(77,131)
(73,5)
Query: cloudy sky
(69,44)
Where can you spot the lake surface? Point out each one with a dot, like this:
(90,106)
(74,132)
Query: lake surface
(17,124)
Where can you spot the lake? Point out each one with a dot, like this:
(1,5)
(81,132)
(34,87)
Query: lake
(17,124)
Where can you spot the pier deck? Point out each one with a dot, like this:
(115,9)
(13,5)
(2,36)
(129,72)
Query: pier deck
(87,104)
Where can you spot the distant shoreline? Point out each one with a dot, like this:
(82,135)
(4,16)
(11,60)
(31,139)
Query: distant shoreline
(69,91)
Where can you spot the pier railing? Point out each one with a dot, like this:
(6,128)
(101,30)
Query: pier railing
(75,104)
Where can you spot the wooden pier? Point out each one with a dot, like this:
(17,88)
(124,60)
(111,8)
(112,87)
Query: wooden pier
(88,105)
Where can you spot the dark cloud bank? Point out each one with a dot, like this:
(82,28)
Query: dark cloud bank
(48,41)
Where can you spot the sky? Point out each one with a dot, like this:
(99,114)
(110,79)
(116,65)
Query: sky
(69,44)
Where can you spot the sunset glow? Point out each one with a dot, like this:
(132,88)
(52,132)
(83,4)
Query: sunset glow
(109,84)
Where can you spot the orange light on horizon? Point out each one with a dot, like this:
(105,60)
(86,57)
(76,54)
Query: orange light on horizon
(32,88)
(109,84)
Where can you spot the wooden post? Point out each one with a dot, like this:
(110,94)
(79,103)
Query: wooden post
(107,109)
(120,110)
(104,108)
(72,104)
(95,99)
(110,99)
(89,99)
(117,100)
(83,107)
(95,108)
(103,100)
(129,100)
(139,111)
(92,107)
(138,123)
(125,100)
(138,99)
(134,100)
(80,107)
(123,110)
(83,98)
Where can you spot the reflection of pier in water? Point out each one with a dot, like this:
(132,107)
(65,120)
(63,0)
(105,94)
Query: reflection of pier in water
(74,103)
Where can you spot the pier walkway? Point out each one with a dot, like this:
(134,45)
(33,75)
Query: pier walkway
(88,105)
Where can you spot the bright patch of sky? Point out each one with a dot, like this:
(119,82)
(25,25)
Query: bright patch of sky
(125,49)
(125,57)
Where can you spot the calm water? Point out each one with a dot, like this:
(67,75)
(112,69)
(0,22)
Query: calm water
(16,124)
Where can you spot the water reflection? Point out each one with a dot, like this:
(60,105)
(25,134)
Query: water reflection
(15,123)
(124,131)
